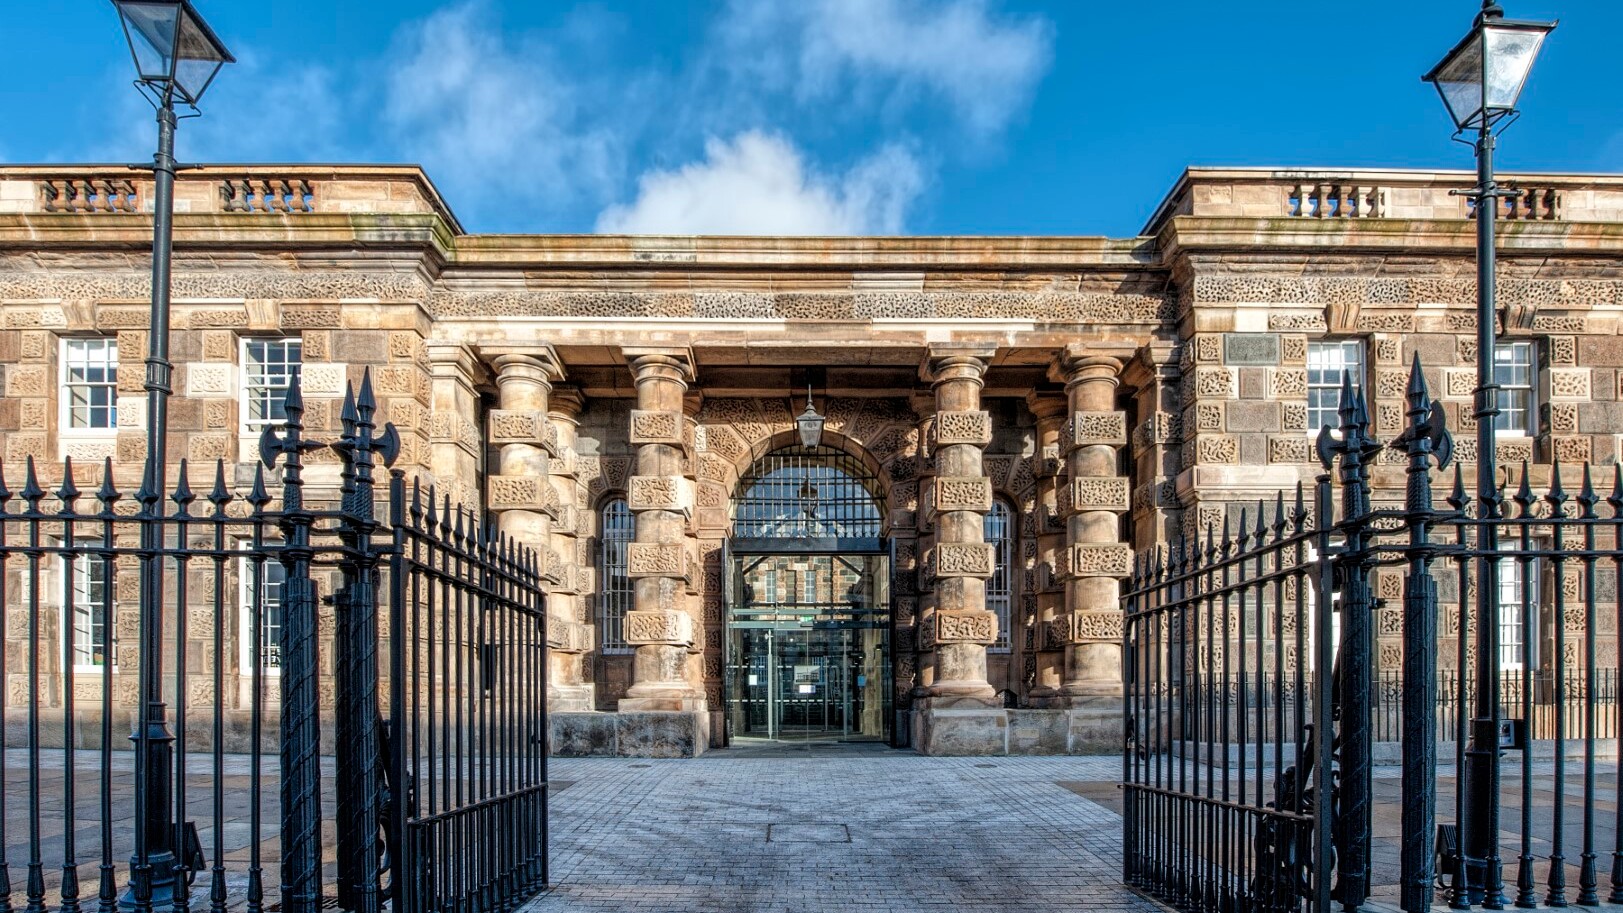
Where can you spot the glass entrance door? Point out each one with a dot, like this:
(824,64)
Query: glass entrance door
(808,647)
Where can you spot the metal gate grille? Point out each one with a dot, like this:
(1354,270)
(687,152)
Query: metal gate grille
(808,498)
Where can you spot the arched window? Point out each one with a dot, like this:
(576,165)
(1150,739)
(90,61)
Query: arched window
(999,533)
(614,531)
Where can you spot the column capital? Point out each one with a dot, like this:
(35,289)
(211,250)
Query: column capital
(1048,406)
(455,360)
(541,366)
(1079,365)
(566,404)
(946,366)
(668,362)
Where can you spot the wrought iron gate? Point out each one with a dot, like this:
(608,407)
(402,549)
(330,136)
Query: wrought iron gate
(430,655)
(1251,689)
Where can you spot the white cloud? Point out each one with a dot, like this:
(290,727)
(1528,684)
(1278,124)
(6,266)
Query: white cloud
(492,116)
(985,68)
(760,184)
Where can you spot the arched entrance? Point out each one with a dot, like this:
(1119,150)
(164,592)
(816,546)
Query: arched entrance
(808,600)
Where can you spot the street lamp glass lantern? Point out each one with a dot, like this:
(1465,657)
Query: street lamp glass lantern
(810,424)
(175,51)
(1482,77)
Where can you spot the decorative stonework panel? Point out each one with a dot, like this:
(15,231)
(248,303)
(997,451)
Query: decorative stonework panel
(1217,448)
(1287,383)
(1098,493)
(1113,560)
(1458,382)
(974,427)
(674,628)
(202,380)
(508,427)
(1090,428)
(1086,626)
(656,427)
(648,559)
(1510,452)
(1570,384)
(674,493)
(1220,383)
(963,559)
(965,627)
(1571,449)
(963,493)
(523,493)
(1289,450)
(325,379)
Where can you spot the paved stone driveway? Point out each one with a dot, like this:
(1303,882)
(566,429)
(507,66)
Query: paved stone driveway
(833,829)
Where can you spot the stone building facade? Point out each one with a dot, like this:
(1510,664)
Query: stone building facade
(1007,420)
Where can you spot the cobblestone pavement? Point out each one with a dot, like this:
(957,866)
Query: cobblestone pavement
(833,829)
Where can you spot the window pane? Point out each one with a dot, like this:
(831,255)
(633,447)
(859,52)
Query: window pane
(614,582)
(269,367)
(1327,362)
(998,532)
(90,382)
(1513,371)
(87,605)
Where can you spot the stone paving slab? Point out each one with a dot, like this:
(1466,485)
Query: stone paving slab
(870,829)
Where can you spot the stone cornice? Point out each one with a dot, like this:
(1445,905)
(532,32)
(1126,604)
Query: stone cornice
(1188,234)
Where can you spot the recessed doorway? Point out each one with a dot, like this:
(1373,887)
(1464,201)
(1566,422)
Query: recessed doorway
(808,602)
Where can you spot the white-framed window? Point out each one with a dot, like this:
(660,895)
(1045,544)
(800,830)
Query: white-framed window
(86,605)
(614,591)
(1515,371)
(1518,605)
(89,384)
(998,531)
(808,586)
(271,579)
(269,367)
(1327,361)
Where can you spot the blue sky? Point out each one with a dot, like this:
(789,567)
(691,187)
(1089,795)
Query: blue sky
(812,116)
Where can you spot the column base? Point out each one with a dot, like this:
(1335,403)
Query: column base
(630,734)
(570,698)
(1095,729)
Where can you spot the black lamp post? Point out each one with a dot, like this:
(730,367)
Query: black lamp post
(176,57)
(1480,81)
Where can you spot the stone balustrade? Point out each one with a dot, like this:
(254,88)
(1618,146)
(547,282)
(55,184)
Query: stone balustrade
(268,195)
(1266,193)
(257,190)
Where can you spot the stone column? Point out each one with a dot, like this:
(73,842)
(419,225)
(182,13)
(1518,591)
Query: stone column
(526,505)
(962,715)
(456,443)
(564,601)
(660,496)
(1051,411)
(1094,498)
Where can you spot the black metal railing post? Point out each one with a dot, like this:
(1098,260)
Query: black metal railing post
(301,726)
(1356,450)
(1426,441)
(358,757)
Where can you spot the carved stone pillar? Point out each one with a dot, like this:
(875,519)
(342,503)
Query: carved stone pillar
(661,498)
(565,601)
(527,504)
(456,444)
(1093,499)
(962,714)
(1050,411)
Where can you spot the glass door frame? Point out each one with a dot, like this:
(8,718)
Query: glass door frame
(732,553)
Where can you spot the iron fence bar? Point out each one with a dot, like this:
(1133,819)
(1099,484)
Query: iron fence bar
(107,496)
(1460,886)
(258,500)
(1323,675)
(1556,881)
(5,695)
(68,495)
(1615,500)
(183,497)
(1587,880)
(219,497)
(31,494)
(1526,879)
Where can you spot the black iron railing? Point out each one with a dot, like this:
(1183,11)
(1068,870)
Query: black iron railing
(1254,712)
(404,713)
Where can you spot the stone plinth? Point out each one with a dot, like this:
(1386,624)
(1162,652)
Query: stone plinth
(630,734)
